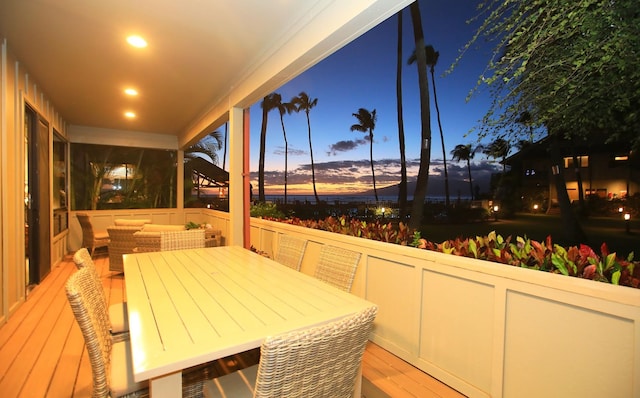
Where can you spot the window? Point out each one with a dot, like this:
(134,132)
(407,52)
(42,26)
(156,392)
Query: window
(583,161)
(59,184)
(110,177)
(59,172)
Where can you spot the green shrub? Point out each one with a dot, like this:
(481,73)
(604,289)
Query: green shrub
(266,210)
(581,262)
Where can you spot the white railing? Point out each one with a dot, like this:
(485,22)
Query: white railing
(490,330)
(485,329)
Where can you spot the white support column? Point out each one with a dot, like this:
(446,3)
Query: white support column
(236,191)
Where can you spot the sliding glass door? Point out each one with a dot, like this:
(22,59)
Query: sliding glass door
(37,200)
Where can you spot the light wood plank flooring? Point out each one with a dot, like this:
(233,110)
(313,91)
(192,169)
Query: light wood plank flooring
(42,351)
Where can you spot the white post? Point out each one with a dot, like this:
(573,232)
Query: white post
(236,192)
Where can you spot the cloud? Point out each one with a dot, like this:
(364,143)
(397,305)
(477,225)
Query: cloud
(349,173)
(279,150)
(345,146)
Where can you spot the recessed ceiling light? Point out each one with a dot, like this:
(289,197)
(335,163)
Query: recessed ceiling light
(137,41)
(130,115)
(131,91)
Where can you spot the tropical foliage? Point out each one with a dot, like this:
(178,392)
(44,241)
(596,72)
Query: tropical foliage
(577,261)
(111,177)
(571,65)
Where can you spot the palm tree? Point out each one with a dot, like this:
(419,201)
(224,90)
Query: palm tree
(268,103)
(367,123)
(303,103)
(207,146)
(464,152)
(498,149)
(286,107)
(422,181)
(432,59)
(402,188)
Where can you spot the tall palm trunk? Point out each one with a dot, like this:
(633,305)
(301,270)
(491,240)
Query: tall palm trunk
(470,182)
(313,168)
(573,232)
(577,165)
(373,173)
(402,188)
(286,156)
(263,139)
(417,208)
(444,154)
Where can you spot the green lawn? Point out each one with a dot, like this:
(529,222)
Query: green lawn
(538,226)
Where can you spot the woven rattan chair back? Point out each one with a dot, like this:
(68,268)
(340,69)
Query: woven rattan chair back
(318,362)
(121,242)
(291,251)
(337,266)
(88,309)
(177,240)
(83,260)
(90,239)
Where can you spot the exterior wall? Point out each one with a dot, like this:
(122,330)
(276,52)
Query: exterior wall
(602,175)
(489,330)
(16,89)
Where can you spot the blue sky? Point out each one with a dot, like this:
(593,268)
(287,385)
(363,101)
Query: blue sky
(362,75)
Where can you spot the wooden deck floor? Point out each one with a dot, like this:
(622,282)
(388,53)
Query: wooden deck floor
(42,351)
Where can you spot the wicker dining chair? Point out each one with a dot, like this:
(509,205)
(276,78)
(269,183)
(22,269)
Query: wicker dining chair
(121,242)
(117,313)
(156,241)
(291,251)
(337,266)
(177,240)
(111,366)
(91,239)
(318,362)
(111,363)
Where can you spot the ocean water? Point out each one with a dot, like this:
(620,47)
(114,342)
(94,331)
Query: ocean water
(343,199)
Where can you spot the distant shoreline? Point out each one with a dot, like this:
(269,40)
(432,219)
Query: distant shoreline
(349,199)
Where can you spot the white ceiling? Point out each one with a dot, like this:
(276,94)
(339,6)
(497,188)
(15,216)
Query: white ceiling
(199,52)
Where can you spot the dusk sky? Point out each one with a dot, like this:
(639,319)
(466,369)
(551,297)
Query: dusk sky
(362,75)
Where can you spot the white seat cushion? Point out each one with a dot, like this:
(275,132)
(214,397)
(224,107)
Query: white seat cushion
(162,227)
(122,382)
(238,384)
(119,318)
(100,235)
(131,223)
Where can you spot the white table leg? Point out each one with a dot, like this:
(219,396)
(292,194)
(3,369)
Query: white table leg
(169,386)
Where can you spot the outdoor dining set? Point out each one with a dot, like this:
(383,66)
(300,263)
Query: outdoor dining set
(189,305)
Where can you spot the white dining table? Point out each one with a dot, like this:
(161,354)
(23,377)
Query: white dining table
(189,307)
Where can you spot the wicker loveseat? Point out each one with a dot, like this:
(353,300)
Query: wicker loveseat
(122,240)
(159,237)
